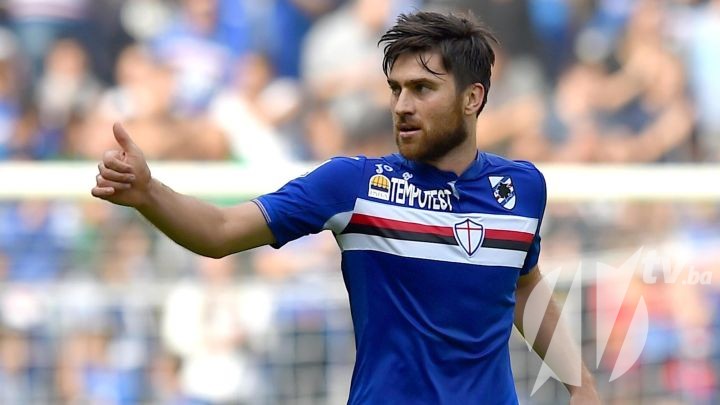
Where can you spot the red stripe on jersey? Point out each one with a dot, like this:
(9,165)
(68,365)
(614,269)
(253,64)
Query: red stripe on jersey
(362,219)
(508,235)
(500,234)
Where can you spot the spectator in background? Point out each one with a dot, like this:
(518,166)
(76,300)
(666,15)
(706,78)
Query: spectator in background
(88,370)
(36,236)
(552,23)
(508,19)
(10,91)
(291,20)
(214,326)
(570,123)
(643,107)
(18,385)
(304,320)
(110,35)
(338,64)
(31,140)
(714,298)
(132,96)
(607,23)
(66,88)
(699,37)
(165,385)
(511,120)
(39,23)
(125,269)
(254,110)
(143,98)
(200,48)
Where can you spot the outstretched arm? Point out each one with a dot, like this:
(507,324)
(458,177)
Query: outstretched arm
(124,178)
(550,328)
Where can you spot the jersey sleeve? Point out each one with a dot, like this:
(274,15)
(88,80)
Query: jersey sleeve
(304,205)
(533,254)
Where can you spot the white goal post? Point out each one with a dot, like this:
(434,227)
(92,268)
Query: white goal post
(566,182)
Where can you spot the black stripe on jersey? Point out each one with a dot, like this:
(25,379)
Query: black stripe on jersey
(402,235)
(506,244)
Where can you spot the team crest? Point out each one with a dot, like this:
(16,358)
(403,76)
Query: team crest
(503,191)
(379,187)
(469,235)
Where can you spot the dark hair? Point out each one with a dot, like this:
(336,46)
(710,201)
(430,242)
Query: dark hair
(462,41)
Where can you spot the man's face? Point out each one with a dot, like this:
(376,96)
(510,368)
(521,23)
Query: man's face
(427,110)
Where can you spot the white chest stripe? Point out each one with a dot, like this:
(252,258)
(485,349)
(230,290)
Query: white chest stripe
(432,251)
(338,222)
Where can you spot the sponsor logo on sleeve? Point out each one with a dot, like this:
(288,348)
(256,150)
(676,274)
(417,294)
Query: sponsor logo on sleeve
(503,191)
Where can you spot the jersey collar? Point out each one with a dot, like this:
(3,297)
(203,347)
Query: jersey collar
(473,172)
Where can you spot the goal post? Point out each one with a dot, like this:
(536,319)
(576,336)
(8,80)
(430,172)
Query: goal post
(566,182)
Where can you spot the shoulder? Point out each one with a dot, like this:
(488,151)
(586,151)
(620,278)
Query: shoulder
(520,181)
(335,172)
(341,163)
(520,170)
(380,164)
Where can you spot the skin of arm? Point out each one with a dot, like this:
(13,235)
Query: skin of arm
(124,178)
(551,327)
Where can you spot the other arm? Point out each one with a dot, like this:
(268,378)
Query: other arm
(551,327)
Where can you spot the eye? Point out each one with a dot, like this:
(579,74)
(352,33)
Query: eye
(395,90)
(421,88)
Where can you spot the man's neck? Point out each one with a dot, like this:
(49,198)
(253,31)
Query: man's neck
(459,159)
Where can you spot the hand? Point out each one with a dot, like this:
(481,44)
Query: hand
(124,176)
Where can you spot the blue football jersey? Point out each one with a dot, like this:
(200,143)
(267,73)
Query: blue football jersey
(430,261)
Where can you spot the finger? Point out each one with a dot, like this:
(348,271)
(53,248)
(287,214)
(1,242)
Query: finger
(112,160)
(102,192)
(123,138)
(103,182)
(113,175)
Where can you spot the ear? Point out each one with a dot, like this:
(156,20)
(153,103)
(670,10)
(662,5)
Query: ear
(473,98)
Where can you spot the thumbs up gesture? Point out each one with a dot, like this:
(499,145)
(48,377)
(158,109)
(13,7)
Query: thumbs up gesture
(124,176)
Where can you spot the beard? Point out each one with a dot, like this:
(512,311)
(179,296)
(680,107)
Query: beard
(435,144)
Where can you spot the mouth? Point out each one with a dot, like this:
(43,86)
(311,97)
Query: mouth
(406,131)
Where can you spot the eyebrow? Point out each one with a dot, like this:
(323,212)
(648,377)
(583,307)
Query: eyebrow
(411,82)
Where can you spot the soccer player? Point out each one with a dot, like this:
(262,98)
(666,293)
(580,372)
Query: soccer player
(440,242)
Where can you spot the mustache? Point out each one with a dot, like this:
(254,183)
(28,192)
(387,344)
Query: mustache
(401,123)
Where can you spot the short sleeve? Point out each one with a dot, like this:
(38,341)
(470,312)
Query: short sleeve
(304,205)
(533,255)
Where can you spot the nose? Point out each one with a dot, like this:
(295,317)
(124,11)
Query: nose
(403,104)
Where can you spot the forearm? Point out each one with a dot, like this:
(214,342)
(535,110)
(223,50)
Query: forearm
(190,222)
(124,178)
(568,365)
(553,341)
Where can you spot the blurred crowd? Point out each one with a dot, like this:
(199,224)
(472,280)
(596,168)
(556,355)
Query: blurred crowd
(253,80)
(97,307)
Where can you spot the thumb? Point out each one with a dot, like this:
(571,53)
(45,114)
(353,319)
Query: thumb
(123,138)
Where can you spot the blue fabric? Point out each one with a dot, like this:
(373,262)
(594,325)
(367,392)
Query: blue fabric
(426,331)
